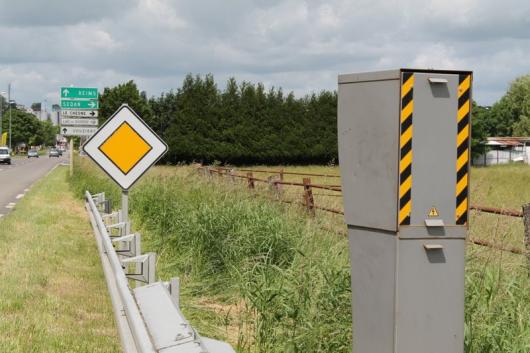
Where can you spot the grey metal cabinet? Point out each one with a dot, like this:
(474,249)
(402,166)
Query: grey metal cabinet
(404,159)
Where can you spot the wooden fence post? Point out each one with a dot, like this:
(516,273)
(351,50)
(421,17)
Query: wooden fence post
(273,185)
(280,186)
(526,221)
(308,196)
(250,180)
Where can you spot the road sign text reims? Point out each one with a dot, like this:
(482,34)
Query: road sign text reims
(79,92)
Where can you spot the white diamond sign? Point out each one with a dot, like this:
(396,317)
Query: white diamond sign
(125,147)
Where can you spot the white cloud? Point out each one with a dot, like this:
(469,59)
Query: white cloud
(300,45)
(438,56)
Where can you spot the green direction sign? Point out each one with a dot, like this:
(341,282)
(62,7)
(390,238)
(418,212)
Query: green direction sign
(79,93)
(79,104)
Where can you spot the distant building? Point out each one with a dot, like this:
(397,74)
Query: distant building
(503,150)
(23,108)
(54,117)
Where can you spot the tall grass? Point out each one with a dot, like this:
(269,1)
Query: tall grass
(497,306)
(264,277)
(282,285)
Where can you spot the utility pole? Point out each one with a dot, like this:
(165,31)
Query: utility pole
(10,108)
(1,112)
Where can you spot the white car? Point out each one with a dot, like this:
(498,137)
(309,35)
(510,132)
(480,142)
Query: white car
(5,157)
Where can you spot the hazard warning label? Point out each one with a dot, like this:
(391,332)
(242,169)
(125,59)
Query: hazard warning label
(433,212)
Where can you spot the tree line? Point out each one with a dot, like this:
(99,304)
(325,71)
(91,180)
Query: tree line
(509,116)
(244,123)
(241,124)
(26,128)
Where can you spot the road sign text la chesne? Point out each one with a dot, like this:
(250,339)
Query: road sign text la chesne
(125,147)
(80,113)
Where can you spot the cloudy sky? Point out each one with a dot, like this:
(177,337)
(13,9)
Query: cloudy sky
(295,44)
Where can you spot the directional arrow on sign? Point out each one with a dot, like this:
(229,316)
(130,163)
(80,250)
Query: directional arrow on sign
(78,130)
(66,91)
(79,113)
(79,104)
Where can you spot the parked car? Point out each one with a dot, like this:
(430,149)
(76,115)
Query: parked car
(5,157)
(33,154)
(53,153)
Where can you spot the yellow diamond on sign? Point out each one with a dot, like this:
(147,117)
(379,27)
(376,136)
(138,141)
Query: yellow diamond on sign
(125,147)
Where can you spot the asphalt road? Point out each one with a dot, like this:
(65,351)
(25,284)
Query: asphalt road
(17,178)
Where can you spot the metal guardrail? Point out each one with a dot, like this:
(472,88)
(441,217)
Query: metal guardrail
(148,317)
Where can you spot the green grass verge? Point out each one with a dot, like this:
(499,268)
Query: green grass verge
(53,296)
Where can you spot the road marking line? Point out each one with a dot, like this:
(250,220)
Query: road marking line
(19,196)
(26,190)
(11,205)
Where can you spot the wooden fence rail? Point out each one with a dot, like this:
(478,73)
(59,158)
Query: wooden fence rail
(282,172)
(308,200)
(500,211)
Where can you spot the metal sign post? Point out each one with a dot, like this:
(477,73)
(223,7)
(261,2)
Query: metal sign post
(125,210)
(71,156)
(404,158)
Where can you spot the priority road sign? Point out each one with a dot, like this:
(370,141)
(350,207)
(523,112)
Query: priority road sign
(125,147)
(79,93)
(79,104)
(78,130)
(79,122)
(80,113)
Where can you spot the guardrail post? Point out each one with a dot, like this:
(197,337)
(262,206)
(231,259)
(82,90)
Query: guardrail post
(107,206)
(174,289)
(308,196)
(526,221)
(250,180)
(232,177)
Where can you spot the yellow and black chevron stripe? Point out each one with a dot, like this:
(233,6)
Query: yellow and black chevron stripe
(405,162)
(462,147)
